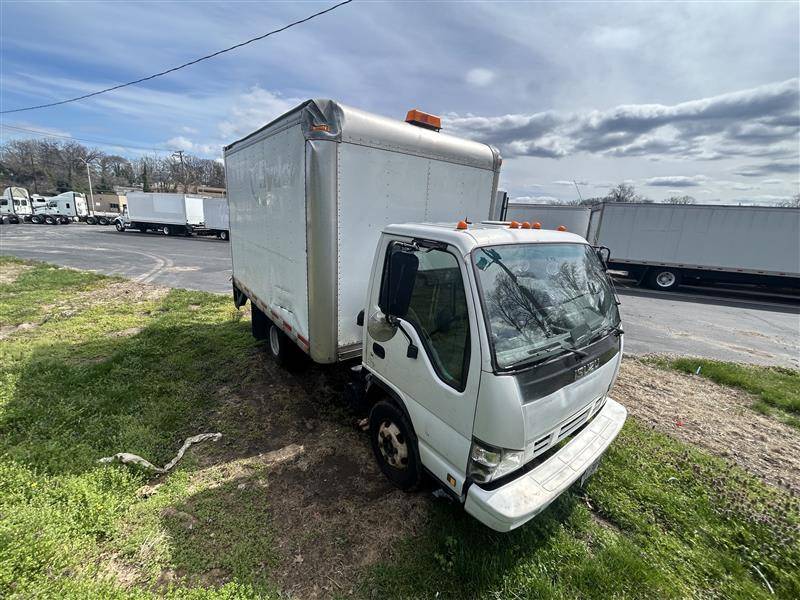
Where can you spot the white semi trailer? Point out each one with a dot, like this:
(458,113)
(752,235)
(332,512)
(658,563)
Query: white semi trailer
(574,219)
(15,205)
(171,214)
(485,353)
(663,245)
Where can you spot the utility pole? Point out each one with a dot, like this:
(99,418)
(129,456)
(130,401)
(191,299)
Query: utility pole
(179,154)
(91,194)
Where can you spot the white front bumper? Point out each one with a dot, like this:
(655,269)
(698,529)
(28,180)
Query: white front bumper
(511,505)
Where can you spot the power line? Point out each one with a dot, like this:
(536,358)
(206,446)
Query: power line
(77,139)
(173,69)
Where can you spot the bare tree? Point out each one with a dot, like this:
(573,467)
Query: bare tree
(794,202)
(623,192)
(680,200)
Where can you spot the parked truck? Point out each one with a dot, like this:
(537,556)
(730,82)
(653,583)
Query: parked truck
(550,216)
(171,214)
(15,205)
(215,217)
(63,208)
(484,353)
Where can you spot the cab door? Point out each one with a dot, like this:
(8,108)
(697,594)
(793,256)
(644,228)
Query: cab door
(429,353)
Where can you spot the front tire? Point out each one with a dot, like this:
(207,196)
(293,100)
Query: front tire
(120,227)
(394,445)
(664,279)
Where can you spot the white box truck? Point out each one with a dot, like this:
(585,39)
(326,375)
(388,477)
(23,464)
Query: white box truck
(216,221)
(63,208)
(15,205)
(171,214)
(485,353)
(663,245)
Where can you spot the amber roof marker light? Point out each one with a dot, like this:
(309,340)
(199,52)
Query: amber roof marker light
(537,225)
(462,225)
(423,119)
(513,225)
(561,228)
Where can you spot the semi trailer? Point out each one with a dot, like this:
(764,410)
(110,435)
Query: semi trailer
(484,352)
(171,214)
(550,216)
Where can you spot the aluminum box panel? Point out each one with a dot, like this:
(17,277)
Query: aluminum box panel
(732,238)
(266,190)
(147,207)
(215,212)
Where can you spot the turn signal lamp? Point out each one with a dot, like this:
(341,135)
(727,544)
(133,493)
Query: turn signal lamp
(537,225)
(525,225)
(513,225)
(423,119)
(325,128)
(561,228)
(462,225)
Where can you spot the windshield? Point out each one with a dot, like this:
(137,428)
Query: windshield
(543,299)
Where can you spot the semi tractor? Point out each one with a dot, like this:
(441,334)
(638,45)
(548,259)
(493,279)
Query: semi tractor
(63,208)
(15,205)
(171,214)
(665,245)
(484,352)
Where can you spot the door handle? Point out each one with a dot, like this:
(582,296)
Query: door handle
(379,350)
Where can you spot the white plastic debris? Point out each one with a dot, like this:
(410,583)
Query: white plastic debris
(127,458)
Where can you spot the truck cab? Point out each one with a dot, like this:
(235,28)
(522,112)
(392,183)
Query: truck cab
(489,351)
(15,205)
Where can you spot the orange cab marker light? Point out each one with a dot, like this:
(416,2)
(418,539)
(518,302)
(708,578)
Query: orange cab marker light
(423,119)
(537,225)
(525,225)
(320,128)
(561,228)
(462,225)
(513,225)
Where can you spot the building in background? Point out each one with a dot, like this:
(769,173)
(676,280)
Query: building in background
(110,203)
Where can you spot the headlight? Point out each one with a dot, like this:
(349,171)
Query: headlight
(488,462)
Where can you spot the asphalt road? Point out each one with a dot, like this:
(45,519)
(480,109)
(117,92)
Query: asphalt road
(721,324)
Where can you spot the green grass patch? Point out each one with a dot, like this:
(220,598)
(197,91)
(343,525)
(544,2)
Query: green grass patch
(666,521)
(777,389)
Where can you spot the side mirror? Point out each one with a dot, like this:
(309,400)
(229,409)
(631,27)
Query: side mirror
(604,254)
(398,283)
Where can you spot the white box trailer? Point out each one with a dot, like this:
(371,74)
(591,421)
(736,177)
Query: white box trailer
(550,216)
(665,244)
(215,212)
(309,194)
(172,214)
(480,361)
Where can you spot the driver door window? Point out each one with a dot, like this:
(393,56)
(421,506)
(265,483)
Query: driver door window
(438,311)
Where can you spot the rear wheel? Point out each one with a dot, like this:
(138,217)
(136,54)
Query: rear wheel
(166,230)
(36,219)
(91,221)
(223,235)
(394,445)
(663,279)
(103,221)
(50,220)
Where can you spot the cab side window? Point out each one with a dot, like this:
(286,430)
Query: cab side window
(438,311)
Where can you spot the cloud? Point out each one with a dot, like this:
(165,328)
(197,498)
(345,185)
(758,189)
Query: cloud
(769,169)
(480,77)
(252,110)
(569,183)
(618,38)
(677,181)
(536,199)
(761,121)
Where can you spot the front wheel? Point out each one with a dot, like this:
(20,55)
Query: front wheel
(119,226)
(664,279)
(394,445)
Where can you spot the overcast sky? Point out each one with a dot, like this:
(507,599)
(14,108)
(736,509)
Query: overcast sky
(700,98)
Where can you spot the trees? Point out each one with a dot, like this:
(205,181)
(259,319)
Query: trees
(794,202)
(623,192)
(48,167)
(679,200)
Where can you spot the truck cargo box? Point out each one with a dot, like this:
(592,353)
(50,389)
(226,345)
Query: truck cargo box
(737,239)
(309,194)
(147,207)
(215,211)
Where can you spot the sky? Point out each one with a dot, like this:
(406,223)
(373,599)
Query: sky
(699,99)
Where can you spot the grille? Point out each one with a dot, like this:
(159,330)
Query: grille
(565,428)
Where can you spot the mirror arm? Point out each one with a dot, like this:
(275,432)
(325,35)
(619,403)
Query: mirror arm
(412,351)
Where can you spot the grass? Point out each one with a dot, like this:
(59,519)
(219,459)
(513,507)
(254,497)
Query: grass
(660,519)
(777,389)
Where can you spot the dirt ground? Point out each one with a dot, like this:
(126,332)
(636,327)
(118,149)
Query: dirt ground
(719,419)
(10,272)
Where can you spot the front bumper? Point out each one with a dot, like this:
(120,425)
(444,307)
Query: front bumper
(511,505)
